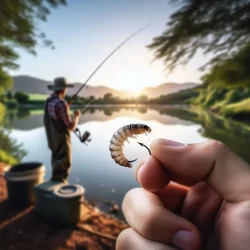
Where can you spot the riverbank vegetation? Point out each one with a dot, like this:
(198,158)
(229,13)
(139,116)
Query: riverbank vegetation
(225,89)
(18,29)
(225,100)
(220,28)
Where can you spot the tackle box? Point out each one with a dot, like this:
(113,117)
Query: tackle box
(60,202)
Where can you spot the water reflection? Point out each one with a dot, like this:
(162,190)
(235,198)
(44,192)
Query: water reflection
(26,119)
(234,134)
(93,166)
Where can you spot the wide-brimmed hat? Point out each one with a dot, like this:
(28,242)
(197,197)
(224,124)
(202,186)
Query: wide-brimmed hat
(60,84)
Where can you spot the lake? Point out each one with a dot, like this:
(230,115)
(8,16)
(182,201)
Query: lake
(93,166)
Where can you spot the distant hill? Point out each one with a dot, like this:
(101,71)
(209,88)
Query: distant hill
(166,88)
(34,85)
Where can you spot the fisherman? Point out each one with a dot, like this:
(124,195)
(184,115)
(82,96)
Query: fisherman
(58,124)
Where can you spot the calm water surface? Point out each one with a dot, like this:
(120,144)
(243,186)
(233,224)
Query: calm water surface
(93,166)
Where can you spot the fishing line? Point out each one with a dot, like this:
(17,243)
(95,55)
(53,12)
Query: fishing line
(118,47)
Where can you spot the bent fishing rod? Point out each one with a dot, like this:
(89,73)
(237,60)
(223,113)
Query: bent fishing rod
(118,47)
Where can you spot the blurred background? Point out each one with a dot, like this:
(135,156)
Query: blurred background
(186,76)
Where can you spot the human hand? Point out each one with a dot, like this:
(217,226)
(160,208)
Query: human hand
(212,213)
(77,113)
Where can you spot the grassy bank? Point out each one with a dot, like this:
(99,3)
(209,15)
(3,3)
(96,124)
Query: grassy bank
(37,97)
(229,102)
(240,110)
(233,102)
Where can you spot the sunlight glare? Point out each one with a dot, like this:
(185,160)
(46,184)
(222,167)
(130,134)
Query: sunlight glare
(135,80)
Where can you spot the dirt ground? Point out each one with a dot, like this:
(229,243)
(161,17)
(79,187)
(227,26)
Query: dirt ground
(23,229)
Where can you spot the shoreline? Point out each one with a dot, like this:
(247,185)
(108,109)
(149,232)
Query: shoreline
(238,117)
(23,229)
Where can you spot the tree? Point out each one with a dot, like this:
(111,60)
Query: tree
(143,98)
(21,97)
(217,26)
(108,96)
(18,29)
(231,72)
(9,95)
(11,152)
(5,79)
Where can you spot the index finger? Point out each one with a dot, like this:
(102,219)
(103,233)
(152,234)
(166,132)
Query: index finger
(211,161)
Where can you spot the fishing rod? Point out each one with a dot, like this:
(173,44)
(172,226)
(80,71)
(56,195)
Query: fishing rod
(135,33)
(85,137)
(89,102)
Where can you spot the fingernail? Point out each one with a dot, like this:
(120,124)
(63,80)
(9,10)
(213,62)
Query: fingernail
(171,143)
(185,240)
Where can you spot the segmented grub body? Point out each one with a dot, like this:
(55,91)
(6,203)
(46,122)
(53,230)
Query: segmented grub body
(122,135)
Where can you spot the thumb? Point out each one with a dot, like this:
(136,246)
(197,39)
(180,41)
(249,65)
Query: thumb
(210,161)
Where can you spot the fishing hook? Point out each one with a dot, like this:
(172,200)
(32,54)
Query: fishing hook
(133,160)
(143,145)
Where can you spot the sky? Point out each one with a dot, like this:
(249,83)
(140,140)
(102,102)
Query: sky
(85,32)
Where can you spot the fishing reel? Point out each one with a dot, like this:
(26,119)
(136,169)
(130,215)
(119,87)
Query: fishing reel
(83,138)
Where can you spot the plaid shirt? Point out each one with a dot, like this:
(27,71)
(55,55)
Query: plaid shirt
(58,109)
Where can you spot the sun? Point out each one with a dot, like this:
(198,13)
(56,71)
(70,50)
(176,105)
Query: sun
(134,80)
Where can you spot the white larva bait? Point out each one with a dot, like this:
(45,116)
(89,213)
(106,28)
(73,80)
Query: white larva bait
(122,135)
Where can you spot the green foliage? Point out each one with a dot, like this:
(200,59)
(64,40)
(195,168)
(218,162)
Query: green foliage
(181,97)
(2,113)
(39,97)
(224,88)
(2,95)
(236,95)
(6,81)
(143,99)
(227,101)
(108,96)
(78,100)
(217,26)
(6,158)
(209,95)
(10,151)
(233,72)
(233,134)
(9,95)
(35,102)
(237,109)
(12,104)
(18,27)
(21,97)
(23,113)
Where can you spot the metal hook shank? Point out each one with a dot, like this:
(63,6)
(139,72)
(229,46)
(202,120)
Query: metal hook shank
(133,160)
